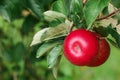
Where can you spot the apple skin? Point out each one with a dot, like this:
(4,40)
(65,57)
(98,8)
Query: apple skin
(80,47)
(103,53)
(85,48)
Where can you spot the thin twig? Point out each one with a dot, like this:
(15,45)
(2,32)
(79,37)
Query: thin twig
(0,73)
(15,76)
(84,1)
(109,15)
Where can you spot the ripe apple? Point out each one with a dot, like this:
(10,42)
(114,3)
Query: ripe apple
(86,48)
(103,53)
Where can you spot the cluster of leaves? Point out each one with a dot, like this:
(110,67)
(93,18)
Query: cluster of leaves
(19,20)
(54,18)
(63,15)
(15,9)
(30,10)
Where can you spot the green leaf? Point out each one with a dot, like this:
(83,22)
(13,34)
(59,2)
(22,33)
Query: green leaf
(101,30)
(76,7)
(19,51)
(112,42)
(11,9)
(92,9)
(50,33)
(55,68)
(56,22)
(4,13)
(76,11)
(46,47)
(28,24)
(55,32)
(114,34)
(53,16)
(38,37)
(53,56)
(35,7)
(13,53)
(60,6)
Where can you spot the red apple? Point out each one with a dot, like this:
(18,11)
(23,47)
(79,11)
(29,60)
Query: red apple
(103,53)
(86,48)
(80,47)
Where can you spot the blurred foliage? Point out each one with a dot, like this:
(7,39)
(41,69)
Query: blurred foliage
(19,21)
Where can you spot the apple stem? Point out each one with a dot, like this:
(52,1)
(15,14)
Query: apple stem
(109,15)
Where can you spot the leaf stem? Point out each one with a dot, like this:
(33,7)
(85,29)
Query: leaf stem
(71,27)
(109,15)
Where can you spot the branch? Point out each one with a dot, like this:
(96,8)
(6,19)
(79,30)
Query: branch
(109,15)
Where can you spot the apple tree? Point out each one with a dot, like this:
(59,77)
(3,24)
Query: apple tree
(39,28)
(65,16)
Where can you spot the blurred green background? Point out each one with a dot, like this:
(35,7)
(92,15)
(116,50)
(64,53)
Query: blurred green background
(17,58)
